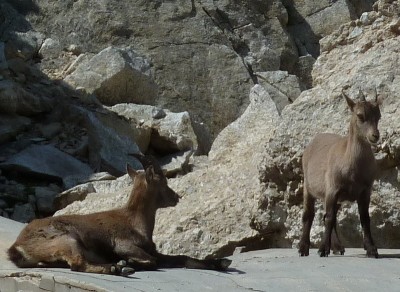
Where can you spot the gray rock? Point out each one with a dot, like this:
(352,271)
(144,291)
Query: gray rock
(3,61)
(167,133)
(116,75)
(50,48)
(281,86)
(50,130)
(11,126)
(45,199)
(23,213)
(16,100)
(111,139)
(47,161)
(173,133)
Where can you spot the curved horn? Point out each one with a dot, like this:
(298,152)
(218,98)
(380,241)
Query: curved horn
(376,95)
(362,95)
(147,161)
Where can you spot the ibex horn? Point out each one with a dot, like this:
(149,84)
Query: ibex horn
(147,161)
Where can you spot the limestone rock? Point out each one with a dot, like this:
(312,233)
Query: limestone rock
(116,75)
(281,86)
(47,161)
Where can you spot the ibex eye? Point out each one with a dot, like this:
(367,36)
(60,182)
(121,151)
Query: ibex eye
(360,117)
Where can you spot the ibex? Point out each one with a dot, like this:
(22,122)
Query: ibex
(339,169)
(111,242)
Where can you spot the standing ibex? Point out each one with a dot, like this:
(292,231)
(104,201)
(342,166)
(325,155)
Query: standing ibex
(112,242)
(339,169)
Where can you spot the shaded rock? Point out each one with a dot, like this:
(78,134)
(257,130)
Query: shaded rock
(77,193)
(44,199)
(47,161)
(110,141)
(16,100)
(50,130)
(177,163)
(23,213)
(11,126)
(3,61)
(116,75)
(24,44)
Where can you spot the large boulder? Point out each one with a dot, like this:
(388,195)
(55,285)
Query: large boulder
(116,75)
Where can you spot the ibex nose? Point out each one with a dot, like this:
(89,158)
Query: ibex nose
(374,137)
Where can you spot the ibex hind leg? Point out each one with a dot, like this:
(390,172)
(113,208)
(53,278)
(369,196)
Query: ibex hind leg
(71,252)
(336,246)
(307,220)
(182,261)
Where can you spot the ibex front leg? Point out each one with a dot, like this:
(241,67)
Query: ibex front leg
(182,261)
(363,206)
(330,223)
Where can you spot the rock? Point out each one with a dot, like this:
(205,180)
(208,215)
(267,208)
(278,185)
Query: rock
(11,126)
(26,44)
(281,86)
(50,130)
(3,61)
(163,131)
(47,161)
(50,48)
(23,213)
(177,163)
(16,100)
(77,193)
(44,199)
(116,75)
(310,21)
(173,133)
(111,139)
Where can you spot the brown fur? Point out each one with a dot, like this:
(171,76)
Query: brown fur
(339,169)
(94,243)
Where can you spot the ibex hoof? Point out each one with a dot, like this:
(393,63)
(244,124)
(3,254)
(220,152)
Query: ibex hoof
(323,253)
(373,253)
(225,263)
(126,271)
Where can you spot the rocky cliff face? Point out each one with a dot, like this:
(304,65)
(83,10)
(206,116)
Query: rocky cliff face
(109,78)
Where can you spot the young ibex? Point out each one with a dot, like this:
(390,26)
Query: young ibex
(112,242)
(339,169)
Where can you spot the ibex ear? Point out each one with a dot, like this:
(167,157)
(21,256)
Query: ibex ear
(349,101)
(150,173)
(132,173)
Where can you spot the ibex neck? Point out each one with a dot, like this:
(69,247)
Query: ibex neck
(357,146)
(142,211)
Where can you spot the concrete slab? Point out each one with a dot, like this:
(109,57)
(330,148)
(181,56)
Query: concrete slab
(264,270)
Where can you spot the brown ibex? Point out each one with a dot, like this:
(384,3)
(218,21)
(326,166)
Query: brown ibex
(111,242)
(339,169)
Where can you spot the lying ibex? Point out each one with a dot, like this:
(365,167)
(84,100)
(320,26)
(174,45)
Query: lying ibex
(112,242)
(339,169)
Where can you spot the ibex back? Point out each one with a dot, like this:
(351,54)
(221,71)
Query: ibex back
(112,242)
